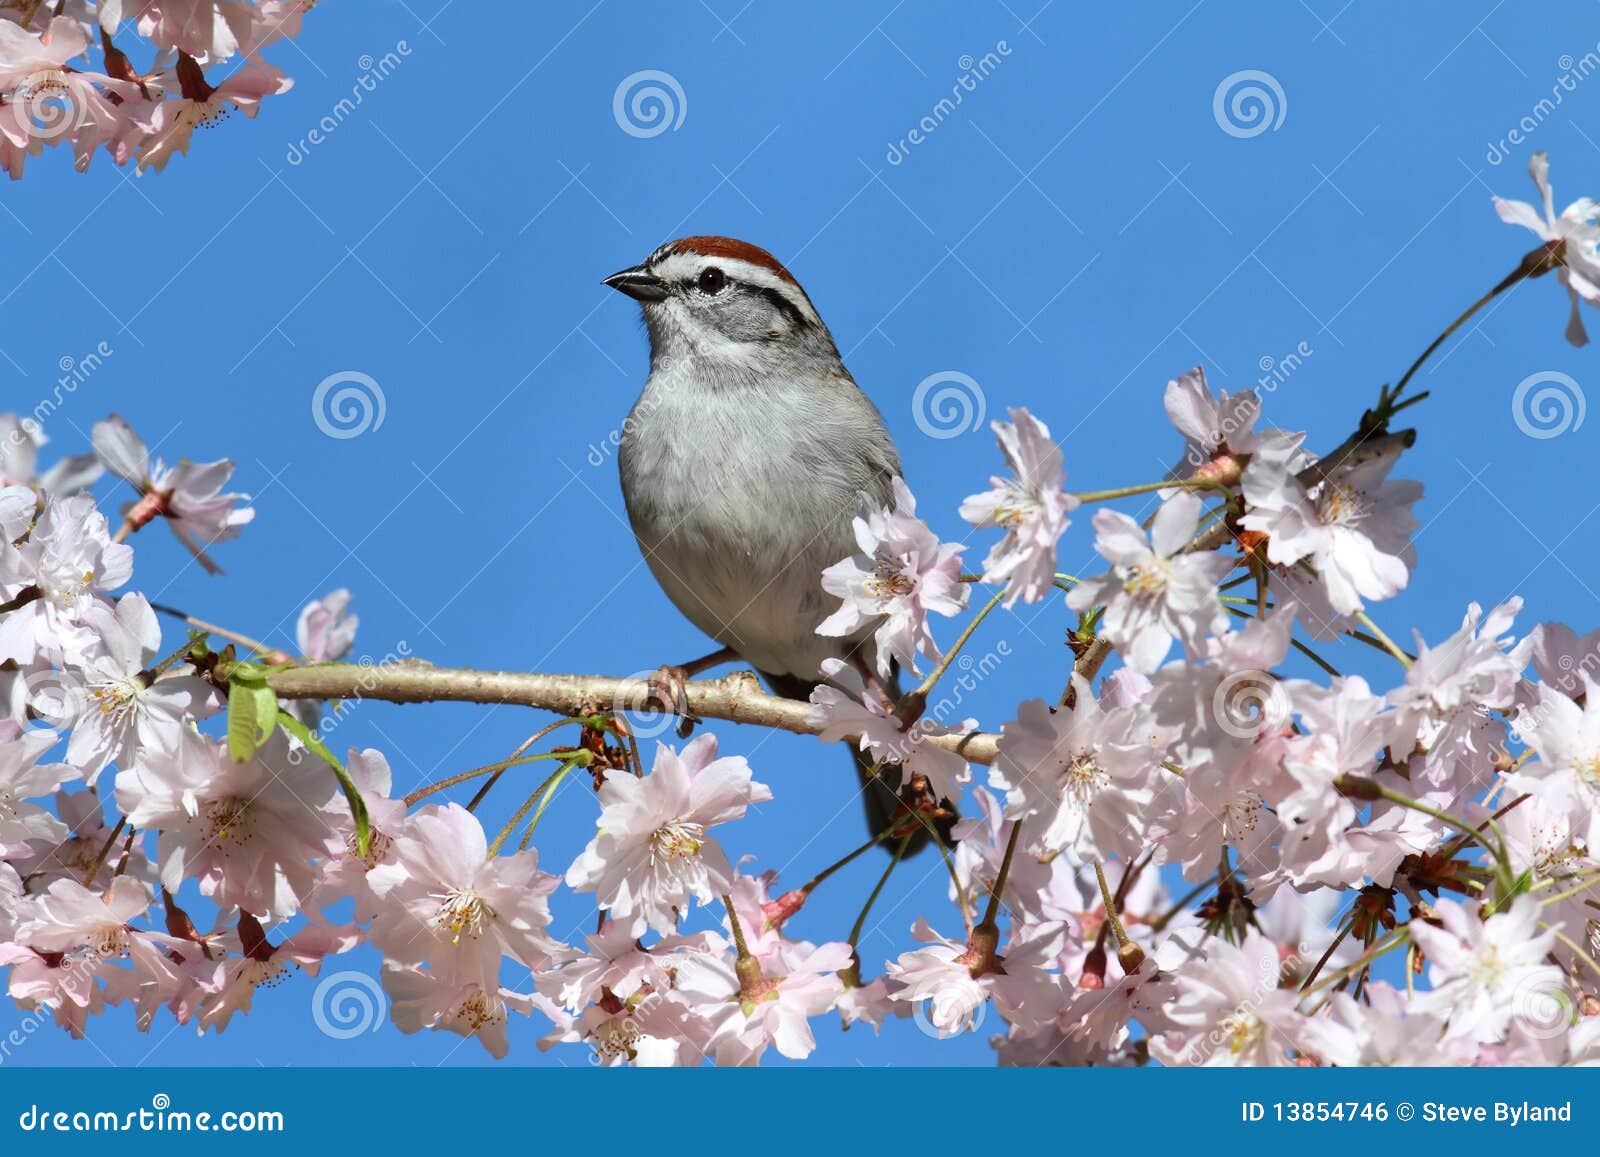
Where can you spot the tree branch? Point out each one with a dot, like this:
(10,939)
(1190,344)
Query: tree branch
(736,698)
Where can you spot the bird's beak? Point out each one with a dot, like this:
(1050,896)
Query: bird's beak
(638,284)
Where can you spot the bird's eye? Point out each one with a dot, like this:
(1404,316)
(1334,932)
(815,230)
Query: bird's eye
(712,279)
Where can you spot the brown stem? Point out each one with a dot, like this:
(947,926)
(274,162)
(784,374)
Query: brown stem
(735,698)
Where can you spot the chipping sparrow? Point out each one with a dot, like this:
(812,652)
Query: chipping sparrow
(743,462)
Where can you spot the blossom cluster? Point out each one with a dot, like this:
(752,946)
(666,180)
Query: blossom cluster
(67,76)
(1398,873)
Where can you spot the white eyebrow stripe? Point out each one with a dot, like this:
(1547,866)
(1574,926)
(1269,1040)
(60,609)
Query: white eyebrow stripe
(687,266)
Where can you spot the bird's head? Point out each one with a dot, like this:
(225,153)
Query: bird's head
(725,304)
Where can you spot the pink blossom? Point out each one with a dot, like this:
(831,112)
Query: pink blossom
(326,629)
(445,902)
(652,852)
(71,562)
(1088,774)
(23,778)
(1031,507)
(902,573)
(248,832)
(121,709)
(1354,526)
(189,495)
(849,708)
(420,999)
(1486,971)
(1155,592)
(1577,229)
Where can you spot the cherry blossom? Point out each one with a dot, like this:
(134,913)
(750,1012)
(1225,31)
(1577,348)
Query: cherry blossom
(326,630)
(1576,230)
(23,777)
(1353,525)
(1567,738)
(902,573)
(443,901)
(1187,856)
(1485,971)
(850,708)
(1226,1008)
(248,832)
(123,707)
(189,495)
(1087,773)
(1155,592)
(1218,429)
(59,577)
(1030,507)
(653,852)
(20,442)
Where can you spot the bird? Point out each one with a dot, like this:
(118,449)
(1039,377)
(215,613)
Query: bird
(743,462)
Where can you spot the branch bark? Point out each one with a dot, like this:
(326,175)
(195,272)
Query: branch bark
(736,698)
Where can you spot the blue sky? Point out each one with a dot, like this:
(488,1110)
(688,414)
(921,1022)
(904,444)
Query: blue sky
(1078,231)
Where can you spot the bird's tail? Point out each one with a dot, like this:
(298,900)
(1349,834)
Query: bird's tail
(880,786)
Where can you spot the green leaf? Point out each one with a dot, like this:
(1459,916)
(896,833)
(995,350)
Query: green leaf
(250,674)
(252,714)
(352,794)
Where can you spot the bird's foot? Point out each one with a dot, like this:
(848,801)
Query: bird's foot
(669,692)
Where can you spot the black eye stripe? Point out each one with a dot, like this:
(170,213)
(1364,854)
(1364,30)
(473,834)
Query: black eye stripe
(783,304)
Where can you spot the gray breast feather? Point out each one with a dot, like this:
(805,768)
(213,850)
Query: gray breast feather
(739,499)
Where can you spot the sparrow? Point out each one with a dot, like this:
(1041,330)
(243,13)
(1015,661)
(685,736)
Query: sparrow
(743,462)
